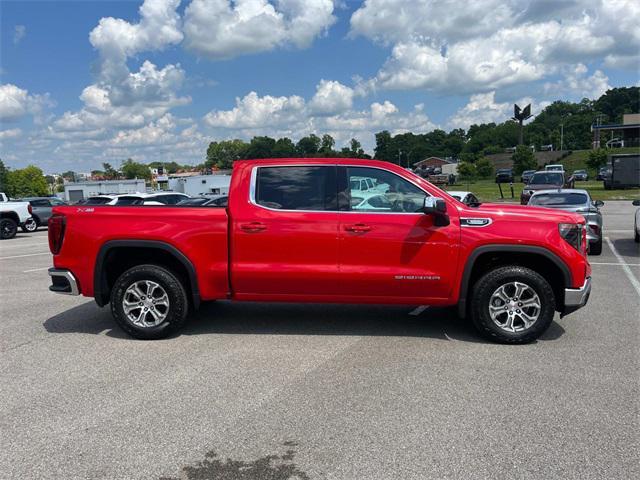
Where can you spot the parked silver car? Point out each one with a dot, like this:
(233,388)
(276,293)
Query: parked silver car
(41,207)
(578,201)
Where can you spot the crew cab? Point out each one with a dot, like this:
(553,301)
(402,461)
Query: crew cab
(13,215)
(291,233)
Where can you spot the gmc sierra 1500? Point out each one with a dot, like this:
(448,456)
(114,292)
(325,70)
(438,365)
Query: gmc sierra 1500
(305,230)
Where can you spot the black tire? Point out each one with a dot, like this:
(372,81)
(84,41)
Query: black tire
(636,237)
(485,287)
(177,310)
(34,224)
(595,248)
(8,228)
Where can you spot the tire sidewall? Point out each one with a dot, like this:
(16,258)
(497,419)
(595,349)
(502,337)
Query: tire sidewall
(178,303)
(489,283)
(36,224)
(14,228)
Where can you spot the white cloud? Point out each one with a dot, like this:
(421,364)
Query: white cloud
(16,102)
(19,32)
(10,133)
(483,108)
(116,39)
(489,44)
(331,97)
(294,117)
(255,112)
(223,29)
(576,84)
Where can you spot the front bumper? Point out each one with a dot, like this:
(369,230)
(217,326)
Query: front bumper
(63,282)
(575,298)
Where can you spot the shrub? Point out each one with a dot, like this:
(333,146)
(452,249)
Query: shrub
(523,159)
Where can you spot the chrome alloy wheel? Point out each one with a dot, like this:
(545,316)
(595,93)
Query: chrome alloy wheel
(514,307)
(145,303)
(31,225)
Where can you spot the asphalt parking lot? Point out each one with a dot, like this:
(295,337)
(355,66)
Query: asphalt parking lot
(255,391)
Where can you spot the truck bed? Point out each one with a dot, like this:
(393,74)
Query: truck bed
(199,233)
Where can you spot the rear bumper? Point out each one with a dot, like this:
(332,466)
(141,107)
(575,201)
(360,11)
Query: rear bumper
(575,298)
(63,282)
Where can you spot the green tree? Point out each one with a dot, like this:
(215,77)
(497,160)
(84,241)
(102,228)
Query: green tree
(284,148)
(597,158)
(523,159)
(27,182)
(326,145)
(222,154)
(131,169)
(484,168)
(308,146)
(260,147)
(110,173)
(69,176)
(4,172)
(467,171)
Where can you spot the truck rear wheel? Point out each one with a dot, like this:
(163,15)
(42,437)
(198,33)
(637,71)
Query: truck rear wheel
(149,302)
(512,304)
(8,228)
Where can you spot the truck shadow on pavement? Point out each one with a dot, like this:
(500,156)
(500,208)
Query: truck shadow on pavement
(222,318)
(269,467)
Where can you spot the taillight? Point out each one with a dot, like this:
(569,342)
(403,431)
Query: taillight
(30,209)
(574,234)
(56,232)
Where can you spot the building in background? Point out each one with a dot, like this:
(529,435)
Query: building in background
(625,134)
(76,191)
(200,184)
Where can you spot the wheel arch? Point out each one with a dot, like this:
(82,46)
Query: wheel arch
(117,256)
(11,216)
(539,259)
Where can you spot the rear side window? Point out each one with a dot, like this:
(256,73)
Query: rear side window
(172,199)
(40,203)
(297,188)
(129,201)
(97,201)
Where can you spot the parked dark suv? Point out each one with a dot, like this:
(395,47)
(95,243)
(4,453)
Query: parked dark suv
(41,211)
(545,180)
(504,175)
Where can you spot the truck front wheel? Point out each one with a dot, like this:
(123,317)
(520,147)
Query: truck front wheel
(512,304)
(149,302)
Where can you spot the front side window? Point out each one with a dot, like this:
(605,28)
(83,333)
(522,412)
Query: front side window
(297,188)
(387,192)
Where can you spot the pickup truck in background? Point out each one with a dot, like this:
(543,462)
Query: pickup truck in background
(12,216)
(297,230)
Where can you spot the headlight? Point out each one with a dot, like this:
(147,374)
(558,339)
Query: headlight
(572,234)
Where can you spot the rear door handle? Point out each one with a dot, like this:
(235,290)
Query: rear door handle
(357,228)
(253,227)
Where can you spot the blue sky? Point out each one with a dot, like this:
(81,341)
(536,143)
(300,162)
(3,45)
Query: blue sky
(87,82)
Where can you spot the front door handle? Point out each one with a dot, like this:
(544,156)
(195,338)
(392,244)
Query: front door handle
(253,227)
(357,228)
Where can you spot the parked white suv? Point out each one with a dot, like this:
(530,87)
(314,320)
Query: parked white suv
(12,215)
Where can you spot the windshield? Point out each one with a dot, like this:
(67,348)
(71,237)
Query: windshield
(558,199)
(547,178)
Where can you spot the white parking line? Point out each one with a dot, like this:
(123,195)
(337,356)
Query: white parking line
(616,264)
(28,255)
(36,269)
(418,310)
(634,281)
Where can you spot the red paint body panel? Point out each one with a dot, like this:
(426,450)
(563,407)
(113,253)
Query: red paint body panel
(249,252)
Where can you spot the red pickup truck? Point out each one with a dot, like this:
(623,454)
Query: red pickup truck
(325,231)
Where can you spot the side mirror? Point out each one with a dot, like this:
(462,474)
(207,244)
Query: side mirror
(598,203)
(437,207)
(636,203)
